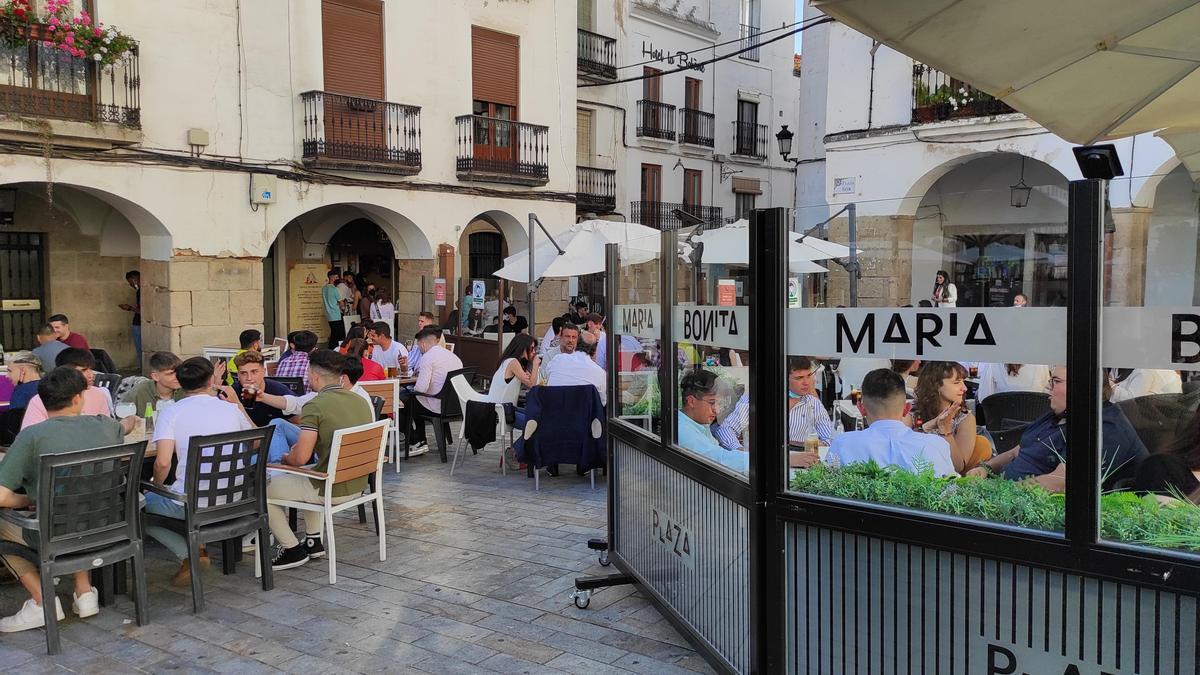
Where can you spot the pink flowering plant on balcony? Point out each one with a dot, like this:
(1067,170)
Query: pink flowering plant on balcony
(80,35)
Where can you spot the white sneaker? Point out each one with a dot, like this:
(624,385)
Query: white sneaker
(418,449)
(30,616)
(87,604)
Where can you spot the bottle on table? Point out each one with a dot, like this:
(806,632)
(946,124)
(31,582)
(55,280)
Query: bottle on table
(148,415)
(811,442)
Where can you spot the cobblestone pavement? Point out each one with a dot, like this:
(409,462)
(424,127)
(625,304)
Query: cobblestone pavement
(478,577)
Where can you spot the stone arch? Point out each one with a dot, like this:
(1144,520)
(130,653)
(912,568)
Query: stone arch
(1148,191)
(921,187)
(515,231)
(320,224)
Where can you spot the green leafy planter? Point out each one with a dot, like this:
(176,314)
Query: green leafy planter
(1124,516)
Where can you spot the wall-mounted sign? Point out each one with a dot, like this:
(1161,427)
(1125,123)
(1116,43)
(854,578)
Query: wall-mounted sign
(639,321)
(845,186)
(306,307)
(726,293)
(713,326)
(671,58)
(478,293)
(793,292)
(439,292)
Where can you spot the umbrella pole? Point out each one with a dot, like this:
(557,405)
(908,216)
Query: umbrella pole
(851,213)
(529,285)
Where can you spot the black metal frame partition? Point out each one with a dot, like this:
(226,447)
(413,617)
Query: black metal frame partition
(772,509)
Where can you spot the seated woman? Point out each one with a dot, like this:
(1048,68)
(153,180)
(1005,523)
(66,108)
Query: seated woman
(356,332)
(520,361)
(995,378)
(909,371)
(939,410)
(358,348)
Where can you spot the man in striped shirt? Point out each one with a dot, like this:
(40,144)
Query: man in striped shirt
(805,412)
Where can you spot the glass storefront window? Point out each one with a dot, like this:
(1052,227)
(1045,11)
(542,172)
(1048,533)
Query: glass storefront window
(1150,424)
(711,325)
(637,332)
(929,382)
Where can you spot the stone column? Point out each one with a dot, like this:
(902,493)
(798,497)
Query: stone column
(1125,259)
(885,261)
(409,294)
(193,302)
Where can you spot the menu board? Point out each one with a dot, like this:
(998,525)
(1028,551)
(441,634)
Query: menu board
(306,310)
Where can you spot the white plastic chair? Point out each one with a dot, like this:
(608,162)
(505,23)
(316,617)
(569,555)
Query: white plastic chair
(389,391)
(355,452)
(467,393)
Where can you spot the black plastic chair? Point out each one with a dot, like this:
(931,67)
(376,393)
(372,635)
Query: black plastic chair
(451,410)
(377,402)
(294,384)
(109,381)
(87,518)
(1008,407)
(224,499)
(104,362)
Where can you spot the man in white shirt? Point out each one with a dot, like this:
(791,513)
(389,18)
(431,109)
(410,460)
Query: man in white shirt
(887,440)
(388,353)
(199,413)
(437,363)
(573,367)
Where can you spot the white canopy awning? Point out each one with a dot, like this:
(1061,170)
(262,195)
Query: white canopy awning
(583,250)
(1087,70)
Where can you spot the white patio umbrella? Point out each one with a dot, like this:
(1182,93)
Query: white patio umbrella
(1087,70)
(730,245)
(583,250)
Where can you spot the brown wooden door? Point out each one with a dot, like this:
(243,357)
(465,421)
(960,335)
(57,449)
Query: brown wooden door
(692,189)
(352,42)
(495,83)
(651,194)
(691,93)
(652,91)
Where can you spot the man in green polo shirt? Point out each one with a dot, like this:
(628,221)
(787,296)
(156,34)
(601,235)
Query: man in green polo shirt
(332,409)
(161,386)
(61,391)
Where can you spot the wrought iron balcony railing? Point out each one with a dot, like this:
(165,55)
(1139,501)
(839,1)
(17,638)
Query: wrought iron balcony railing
(750,140)
(41,81)
(749,39)
(502,151)
(656,120)
(352,132)
(938,97)
(696,127)
(596,54)
(596,189)
(661,215)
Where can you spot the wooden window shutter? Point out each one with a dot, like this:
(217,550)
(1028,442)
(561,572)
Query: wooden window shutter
(586,14)
(495,66)
(583,137)
(352,39)
(749,186)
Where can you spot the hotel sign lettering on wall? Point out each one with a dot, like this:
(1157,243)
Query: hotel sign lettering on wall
(671,58)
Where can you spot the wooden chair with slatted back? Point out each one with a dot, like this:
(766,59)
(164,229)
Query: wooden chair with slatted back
(355,452)
(389,391)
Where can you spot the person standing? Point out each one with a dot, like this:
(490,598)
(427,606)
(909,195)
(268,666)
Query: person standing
(134,279)
(945,294)
(332,300)
(382,309)
(366,300)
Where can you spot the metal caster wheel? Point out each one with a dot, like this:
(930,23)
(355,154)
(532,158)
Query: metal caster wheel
(603,559)
(582,599)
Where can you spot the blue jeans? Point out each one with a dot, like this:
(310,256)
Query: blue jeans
(136,331)
(285,436)
(162,506)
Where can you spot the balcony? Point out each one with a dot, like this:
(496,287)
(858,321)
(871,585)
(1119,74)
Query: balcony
(493,150)
(656,120)
(938,97)
(46,82)
(596,55)
(749,39)
(596,189)
(696,127)
(750,140)
(361,134)
(661,215)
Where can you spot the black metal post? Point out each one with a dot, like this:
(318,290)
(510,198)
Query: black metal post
(613,266)
(1085,246)
(852,217)
(768,423)
(666,371)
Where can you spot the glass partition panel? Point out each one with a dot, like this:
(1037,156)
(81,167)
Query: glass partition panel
(711,327)
(1150,429)
(923,337)
(637,332)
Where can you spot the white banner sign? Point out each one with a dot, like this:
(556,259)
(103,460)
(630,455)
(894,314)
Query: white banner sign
(640,321)
(713,326)
(986,335)
(1166,338)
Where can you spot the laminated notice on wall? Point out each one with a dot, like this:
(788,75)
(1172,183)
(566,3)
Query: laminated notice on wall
(726,292)
(439,292)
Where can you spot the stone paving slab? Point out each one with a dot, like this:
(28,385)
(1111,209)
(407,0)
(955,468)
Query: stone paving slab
(477,579)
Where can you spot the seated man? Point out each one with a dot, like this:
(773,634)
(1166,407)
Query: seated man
(699,411)
(162,385)
(199,413)
(437,363)
(424,319)
(514,323)
(1042,454)
(62,332)
(96,400)
(387,352)
(252,381)
(595,327)
(888,440)
(248,339)
(65,429)
(550,339)
(48,345)
(295,364)
(24,371)
(333,408)
(574,364)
